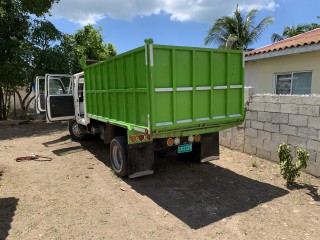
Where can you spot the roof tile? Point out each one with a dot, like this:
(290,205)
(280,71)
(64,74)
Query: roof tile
(311,37)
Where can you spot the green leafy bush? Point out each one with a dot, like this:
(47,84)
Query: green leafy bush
(289,171)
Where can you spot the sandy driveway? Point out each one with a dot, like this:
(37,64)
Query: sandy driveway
(76,195)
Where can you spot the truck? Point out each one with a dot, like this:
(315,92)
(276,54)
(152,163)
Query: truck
(152,99)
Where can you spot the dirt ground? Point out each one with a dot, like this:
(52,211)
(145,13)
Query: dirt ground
(76,195)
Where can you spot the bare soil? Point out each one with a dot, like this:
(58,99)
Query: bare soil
(77,196)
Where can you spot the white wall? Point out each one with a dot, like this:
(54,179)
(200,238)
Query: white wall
(260,73)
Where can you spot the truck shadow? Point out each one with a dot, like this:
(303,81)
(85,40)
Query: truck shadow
(197,194)
(8,207)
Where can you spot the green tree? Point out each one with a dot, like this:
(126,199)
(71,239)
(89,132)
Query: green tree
(237,31)
(15,16)
(86,43)
(44,55)
(290,31)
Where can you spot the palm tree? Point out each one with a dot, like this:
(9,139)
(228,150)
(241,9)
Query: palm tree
(290,31)
(237,31)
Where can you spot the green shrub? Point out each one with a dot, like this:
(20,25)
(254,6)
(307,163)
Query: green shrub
(289,171)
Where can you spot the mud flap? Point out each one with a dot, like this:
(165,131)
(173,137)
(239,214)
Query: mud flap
(209,147)
(140,159)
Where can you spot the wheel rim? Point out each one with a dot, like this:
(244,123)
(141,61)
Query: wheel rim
(76,130)
(117,158)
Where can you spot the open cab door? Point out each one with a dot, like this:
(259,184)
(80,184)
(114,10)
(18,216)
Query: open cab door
(40,94)
(59,97)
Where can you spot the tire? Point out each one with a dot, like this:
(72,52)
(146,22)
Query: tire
(119,156)
(76,131)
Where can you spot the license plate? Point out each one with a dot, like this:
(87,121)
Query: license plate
(185,148)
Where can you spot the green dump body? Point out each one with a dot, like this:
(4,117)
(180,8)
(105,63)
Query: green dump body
(168,90)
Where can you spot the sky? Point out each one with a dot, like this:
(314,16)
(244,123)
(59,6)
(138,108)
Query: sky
(126,23)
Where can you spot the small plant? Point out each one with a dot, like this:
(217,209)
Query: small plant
(289,171)
(254,163)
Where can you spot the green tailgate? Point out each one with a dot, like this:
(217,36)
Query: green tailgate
(194,88)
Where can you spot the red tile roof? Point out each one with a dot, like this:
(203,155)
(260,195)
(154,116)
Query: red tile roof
(311,37)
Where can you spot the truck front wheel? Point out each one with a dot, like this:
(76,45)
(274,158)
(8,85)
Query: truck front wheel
(119,156)
(76,131)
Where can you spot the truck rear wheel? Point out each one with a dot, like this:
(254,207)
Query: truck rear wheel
(119,156)
(76,131)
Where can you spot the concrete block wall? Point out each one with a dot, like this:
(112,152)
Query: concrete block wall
(272,119)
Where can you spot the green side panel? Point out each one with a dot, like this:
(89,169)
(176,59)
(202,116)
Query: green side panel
(234,104)
(202,68)
(183,62)
(117,89)
(142,108)
(163,69)
(194,87)
(184,100)
(235,67)
(219,68)
(219,104)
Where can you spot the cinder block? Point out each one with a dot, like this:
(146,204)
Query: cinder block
(290,108)
(223,133)
(280,118)
(225,142)
(248,123)
(264,135)
(257,142)
(252,115)
(250,149)
(270,145)
(313,145)
(298,120)
(312,156)
(279,138)
(290,130)
(318,158)
(274,157)
(297,141)
(308,132)
(310,100)
(250,132)
(263,153)
(314,169)
(272,107)
(264,116)
(257,125)
(290,99)
(314,122)
(256,106)
(309,110)
(271,127)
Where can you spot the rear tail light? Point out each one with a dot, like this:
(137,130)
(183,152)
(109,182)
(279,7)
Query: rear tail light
(191,139)
(176,141)
(133,138)
(149,137)
(197,138)
(141,137)
(169,142)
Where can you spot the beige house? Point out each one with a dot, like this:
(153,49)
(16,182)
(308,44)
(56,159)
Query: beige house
(291,66)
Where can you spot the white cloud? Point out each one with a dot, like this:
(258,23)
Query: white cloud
(84,11)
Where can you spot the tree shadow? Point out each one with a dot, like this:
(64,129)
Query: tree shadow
(30,129)
(197,194)
(313,190)
(8,207)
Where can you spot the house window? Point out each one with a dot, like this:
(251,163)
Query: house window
(293,83)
